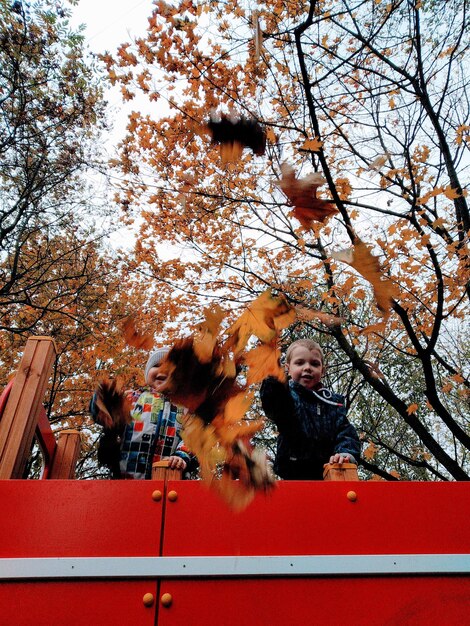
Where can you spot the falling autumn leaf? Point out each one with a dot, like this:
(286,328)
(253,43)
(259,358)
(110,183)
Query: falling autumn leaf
(205,337)
(302,195)
(200,386)
(201,375)
(271,136)
(237,486)
(133,338)
(304,314)
(237,406)
(258,34)
(264,361)
(112,404)
(362,260)
(378,162)
(451,193)
(263,318)
(373,328)
(234,134)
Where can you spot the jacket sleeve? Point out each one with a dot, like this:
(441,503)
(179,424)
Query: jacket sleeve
(347,439)
(277,403)
(185,453)
(93,408)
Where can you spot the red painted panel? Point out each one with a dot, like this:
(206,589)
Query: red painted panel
(318,518)
(40,518)
(279,602)
(76,604)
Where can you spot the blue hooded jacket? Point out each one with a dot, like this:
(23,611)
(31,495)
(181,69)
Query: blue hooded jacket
(312,427)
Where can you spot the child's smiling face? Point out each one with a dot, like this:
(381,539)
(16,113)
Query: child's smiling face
(156,378)
(306,367)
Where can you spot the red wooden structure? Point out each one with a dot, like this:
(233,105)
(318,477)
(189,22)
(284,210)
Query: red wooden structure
(22,416)
(169,552)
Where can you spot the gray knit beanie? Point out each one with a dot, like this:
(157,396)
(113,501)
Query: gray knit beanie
(155,359)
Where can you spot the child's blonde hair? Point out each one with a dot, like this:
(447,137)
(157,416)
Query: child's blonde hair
(305,343)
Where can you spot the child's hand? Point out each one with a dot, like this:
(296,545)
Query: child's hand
(340,458)
(176,462)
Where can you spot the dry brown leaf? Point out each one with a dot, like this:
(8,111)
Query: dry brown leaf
(112,404)
(362,260)
(132,337)
(378,162)
(233,134)
(305,314)
(302,195)
(258,34)
(236,407)
(205,337)
(374,369)
(370,452)
(199,386)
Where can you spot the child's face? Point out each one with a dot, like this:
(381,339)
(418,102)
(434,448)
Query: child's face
(306,367)
(156,378)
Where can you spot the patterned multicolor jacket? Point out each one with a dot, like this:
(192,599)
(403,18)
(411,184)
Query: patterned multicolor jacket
(153,434)
(312,427)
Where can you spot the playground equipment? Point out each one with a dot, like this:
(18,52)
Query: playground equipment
(169,552)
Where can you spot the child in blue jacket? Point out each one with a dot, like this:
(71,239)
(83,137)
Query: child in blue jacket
(152,434)
(311,420)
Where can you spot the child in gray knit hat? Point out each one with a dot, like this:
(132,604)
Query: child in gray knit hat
(154,433)
(153,363)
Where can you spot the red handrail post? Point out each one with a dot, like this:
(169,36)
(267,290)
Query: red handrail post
(66,455)
(337,471)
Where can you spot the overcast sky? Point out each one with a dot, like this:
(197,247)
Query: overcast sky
(109,22)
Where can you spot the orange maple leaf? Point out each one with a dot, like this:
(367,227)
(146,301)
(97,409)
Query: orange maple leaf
(205,337)
(374,369)
(263,318)
(201,375)
(379,162)
(313,145)
(302,195)
(263,361)
(305,314)
(451,193)
(373,328)
(133,337)
(237,406)
(258,35)
(362,260)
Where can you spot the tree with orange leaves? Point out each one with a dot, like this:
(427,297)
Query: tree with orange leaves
(364,116)
(56,276)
